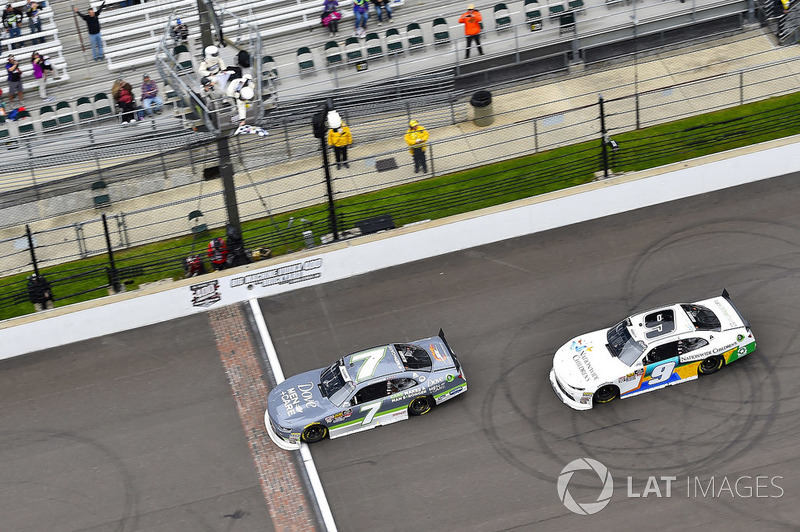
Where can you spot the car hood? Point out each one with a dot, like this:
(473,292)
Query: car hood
(297,401)
(585,361)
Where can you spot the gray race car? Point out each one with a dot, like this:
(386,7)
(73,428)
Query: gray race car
(374,387)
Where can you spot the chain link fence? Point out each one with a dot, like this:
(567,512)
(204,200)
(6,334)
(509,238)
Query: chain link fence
(172,199)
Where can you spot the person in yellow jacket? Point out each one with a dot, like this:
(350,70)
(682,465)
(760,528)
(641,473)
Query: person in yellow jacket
(417,140)
(340,138)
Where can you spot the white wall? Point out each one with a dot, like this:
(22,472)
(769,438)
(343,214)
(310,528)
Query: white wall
(338,261)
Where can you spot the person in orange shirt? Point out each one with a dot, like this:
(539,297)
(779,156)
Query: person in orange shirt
(472,27)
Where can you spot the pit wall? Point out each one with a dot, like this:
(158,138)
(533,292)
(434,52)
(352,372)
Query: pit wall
(337,261)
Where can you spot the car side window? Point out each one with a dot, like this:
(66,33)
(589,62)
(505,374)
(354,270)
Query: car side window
(398,385)
(661,352)
(370,393)
(690,344)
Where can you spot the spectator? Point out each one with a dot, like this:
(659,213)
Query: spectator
(41,67)
(180,32)
(218,252)
(340,138)
(361,12)
(241,91)
(417,138)
(151,101)
(472,27)
(122,92)
(92,19)
(331,16)
(381,5)
(34,21)
(14,80)
(12,21)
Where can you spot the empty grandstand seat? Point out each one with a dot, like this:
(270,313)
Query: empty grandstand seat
(556,9)
(532,12)
(100,194)
(269,69)
(441,31)
(305,61)
(576,6)
(196,220)
(566,24)
(352,49)
(394,43)
(64,113)
(333,54)
(25,123)
(414,34)
(102,105)
(85,109)
(47,117)
(374,46)
(183,59)
(502,18)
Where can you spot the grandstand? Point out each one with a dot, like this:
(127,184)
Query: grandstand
(523,39)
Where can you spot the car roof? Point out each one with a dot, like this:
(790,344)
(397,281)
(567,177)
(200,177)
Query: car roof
(660,323)
(389,363)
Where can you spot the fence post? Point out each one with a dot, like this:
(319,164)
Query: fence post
(741,88)
(33,252)
(536,135)
(286,137)
(604,135)
(113,276)
(31,158)
(433,167)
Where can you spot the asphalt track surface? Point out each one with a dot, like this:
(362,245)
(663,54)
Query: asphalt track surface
(133,431)
(138,430)
(490,459)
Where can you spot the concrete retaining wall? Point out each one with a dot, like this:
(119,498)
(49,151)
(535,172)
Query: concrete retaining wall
(345,259)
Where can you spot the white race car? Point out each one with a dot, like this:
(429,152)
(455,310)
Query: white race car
(650,350)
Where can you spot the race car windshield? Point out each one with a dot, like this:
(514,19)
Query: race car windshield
(413,357)
(622,345)
(333,384)
(702,318)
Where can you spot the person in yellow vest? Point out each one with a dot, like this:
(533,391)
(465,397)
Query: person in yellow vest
(417,140)
(340,138)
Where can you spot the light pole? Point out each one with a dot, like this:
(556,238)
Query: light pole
(326,118)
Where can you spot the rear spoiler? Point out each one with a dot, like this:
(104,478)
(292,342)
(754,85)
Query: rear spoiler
(727,297)
(441,335)
(450,349)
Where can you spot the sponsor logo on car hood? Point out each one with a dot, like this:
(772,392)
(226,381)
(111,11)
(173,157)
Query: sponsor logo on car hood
(298,401)
(585,361)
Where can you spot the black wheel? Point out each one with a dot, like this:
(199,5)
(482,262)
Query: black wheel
(314,433)
(420,405)
(606,394)
(710,365)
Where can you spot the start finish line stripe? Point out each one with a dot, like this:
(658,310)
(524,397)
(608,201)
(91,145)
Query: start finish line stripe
(279,480)
(308,460)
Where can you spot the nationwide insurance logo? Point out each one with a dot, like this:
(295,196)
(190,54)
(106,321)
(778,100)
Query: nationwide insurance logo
(743,486)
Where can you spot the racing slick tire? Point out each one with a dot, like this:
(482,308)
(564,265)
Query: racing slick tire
(314,433)
(606,394)
(710,365)
(420,405)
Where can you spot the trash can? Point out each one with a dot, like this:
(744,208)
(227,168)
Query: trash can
(482,106)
